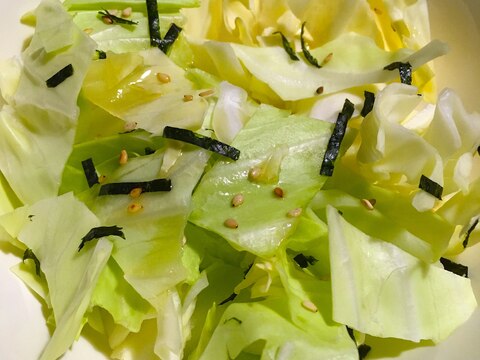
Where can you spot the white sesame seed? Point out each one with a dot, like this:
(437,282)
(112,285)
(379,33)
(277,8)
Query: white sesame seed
(231,223)
(206,93)
(295,212)
(163,78)
(237,200)
(327,59)
(254,173)
(367,203)
(278,191)
(107,20)
(187,98)
(134,208)
(130,126)
(135,193)
(127,12)
(310,306)
(123,157)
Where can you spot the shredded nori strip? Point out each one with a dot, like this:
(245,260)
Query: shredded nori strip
(368,104)
(335,141)
(204,142)
(90,172)
(303,261)
(124,188)
(153,23)
(60,76)
(101,54)
(230,298)
(404,69)
(170,37)
(288,47)
(431,187)
(455,268)
(28,254)
(149,151)
(350,333)
(116,19)
(247,270)
(310,58)
(363,350)
(101,231)
(469,231)
(233,319)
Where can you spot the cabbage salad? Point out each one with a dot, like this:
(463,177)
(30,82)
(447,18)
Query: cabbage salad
(220,179)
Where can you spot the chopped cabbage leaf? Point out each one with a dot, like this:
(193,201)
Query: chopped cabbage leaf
(53,232)
(383,291)
(286,150)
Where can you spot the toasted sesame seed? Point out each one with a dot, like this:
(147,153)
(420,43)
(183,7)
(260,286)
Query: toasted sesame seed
(130,126)
(254,173)
(377,11)
(367,203)
(295,212)
(237,200)
(231,223)
(101,179)
(88,31)
(127,12)
(134,208)
(187,98)
(107,20)
(327,59)
(310,306)
(206,93)
(163,78)
(278,191)
(123,157)
(319,90)
(135,193)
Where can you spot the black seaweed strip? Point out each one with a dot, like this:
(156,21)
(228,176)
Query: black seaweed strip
(431,187)
(404,69)
(455,268)
(303,261)
(28,254)
(287,47)
(230,298)
(469,231)
(90,172)
(153,23)
(247,270)
(363,350)
(335,141)
(350,333)
(149,151)
(368,104)
(101,231)
(124,188)
(60,76)
(233,319)
(101,54)
(170,37)
(305,51)
(204,142)
(116,19)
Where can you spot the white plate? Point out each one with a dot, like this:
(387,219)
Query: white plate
(23,332)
